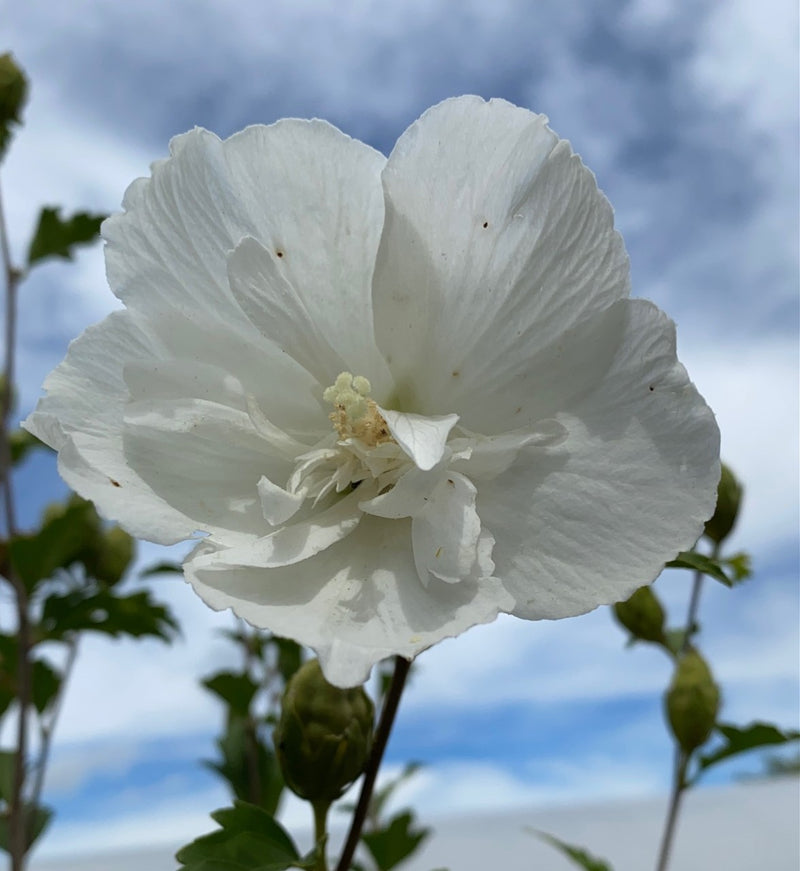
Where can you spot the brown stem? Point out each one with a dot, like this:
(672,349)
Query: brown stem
(401,668)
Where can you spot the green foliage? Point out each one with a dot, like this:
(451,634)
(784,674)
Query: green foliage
(21,443)
(161,568)
(85,610)
(742,739)
(57,237)
(396,841)
(250,839)
(740,566)
(67,533)
(46,683)
(248,764)
(37,818)
(13,94)
(690,559)
(236,689)
(8,671)
(578,855)
(7,760)
(692,702)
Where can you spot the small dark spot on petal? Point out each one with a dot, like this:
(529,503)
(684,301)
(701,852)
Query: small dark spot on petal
(651,388)
(485,224)
(114,483)
(455,373)
(279,253)
(519,409)
(451,482)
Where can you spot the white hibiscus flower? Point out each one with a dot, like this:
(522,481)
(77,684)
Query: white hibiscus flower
(396,397)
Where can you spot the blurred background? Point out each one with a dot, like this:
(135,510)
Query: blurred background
(687,114)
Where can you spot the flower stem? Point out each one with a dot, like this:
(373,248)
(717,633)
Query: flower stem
(321,809)
(401,668)
(678,788)
(682,758)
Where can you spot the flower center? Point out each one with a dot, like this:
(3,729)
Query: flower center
(355,415)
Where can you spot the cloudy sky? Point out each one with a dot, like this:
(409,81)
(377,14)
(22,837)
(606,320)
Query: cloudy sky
(687,115)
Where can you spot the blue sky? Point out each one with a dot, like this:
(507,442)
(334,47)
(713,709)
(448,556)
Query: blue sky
(687,115)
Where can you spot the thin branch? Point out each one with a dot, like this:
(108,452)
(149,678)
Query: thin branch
(48,729)
(678,788)
(401,668)
(17,822)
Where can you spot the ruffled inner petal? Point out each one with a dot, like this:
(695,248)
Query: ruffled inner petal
(423,438)
(446,532)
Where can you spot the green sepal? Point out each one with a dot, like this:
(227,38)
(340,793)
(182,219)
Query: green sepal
(578,855)
(56,236)
(395,841)
(249,839)
(742,739)
(642,615)
(690,559)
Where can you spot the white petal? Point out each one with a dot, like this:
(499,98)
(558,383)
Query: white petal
(489,456)
(597,516)
(422,438)
(279,312)
(81,417)
(277,504)
(292,543)
(496,241)
(446,531)
(316,206)
(407,497)
(354,604)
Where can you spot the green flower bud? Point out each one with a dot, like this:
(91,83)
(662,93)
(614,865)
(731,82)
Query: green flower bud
(324,735)
(642,615)
(113,556)
(729,498)
(13,93)
(692,702)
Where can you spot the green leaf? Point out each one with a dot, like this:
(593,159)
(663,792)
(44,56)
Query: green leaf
(690,559)
(84,610)
(36,821)
(46,684)
(290,656)
(7,760)
(56,236)
(162,568)
(21,443)
(248,764)
(13,94)
(579,856)
(237,690)
(250,839)
(743,739)
(68,532)
(8,671)
(396,841)
(740,565)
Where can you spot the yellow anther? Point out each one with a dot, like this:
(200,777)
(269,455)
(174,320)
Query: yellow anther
(354,414)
